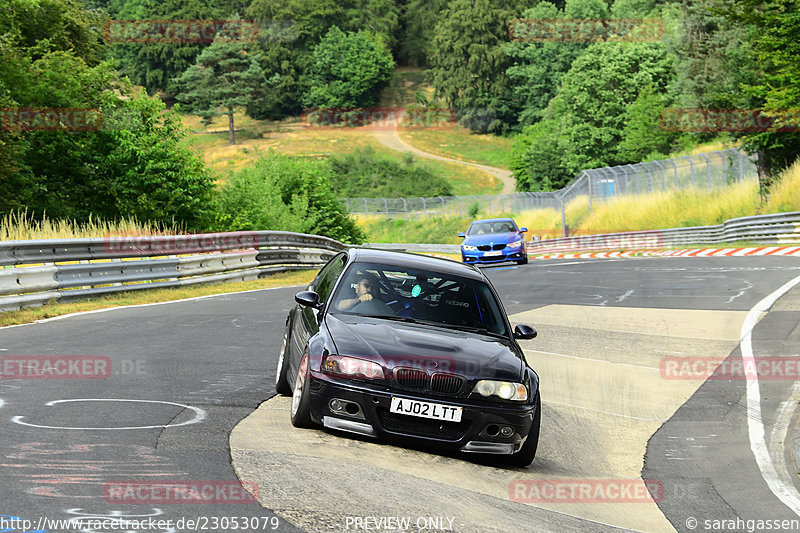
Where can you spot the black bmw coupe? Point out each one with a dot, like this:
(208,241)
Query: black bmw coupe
(400,346)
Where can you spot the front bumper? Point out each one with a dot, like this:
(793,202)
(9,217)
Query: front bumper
(478,431)
(479,257)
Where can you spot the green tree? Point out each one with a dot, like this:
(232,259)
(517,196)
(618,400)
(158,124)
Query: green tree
(286,193)
(154,64)
(42,26)
(642,134)
(594,96)
(468,64)
(126,167)
(418,22)
(149,171)
(381,18)
(537,155)
(292,28)
(348,70)
(225,76)
(538,67)
(773,38)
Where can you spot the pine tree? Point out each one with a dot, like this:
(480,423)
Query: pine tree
(223,77)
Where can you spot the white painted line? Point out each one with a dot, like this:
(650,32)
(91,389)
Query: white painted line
(604,412)
(645,367)
(199,415)
(786,493)
(779,431)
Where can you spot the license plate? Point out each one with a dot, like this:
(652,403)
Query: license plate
(437,411)
(493,252)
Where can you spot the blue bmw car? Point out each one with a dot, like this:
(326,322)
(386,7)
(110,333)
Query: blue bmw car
(494,240)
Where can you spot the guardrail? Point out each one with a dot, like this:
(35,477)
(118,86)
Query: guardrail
(776,229)
(781,228)
(39,271)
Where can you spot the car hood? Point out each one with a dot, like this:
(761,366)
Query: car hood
(492,238)
(394,344)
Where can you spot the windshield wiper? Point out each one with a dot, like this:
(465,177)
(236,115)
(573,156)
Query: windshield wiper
(390,317)
(475,329)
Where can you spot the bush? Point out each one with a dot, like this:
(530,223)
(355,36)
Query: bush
(284,193)
(365,173)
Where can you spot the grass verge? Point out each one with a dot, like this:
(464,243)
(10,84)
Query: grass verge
(459,143)
(32,314)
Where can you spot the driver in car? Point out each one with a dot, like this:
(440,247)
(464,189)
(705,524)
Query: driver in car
(363,294)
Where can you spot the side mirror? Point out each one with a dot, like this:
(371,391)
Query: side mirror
(461,234)
(523,230)
(524,332)
(308,299)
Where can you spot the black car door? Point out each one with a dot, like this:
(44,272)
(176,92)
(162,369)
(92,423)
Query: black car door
(306,322)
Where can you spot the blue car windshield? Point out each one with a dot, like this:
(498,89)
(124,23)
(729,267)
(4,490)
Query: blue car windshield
(482,228)
(424,296)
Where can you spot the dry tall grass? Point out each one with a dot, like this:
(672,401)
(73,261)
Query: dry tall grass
(785,194)
(20,225)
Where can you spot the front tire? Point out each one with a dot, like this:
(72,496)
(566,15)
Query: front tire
(301,402)
(526,454)
(282,385)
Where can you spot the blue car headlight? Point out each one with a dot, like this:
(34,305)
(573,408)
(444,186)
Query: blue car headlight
(515,244)
(468,248)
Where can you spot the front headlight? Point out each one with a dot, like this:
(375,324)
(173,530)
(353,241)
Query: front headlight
(502,389)
(515,244)
(351,367)
(468,248)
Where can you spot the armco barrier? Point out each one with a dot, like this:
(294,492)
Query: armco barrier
(781,228)
(778,229)
(39,271)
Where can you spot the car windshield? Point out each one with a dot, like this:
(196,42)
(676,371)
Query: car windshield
(482,228)
(413,295)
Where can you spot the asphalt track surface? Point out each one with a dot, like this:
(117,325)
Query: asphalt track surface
(185,374)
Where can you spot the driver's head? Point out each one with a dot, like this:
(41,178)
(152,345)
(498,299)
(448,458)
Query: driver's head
(364,287)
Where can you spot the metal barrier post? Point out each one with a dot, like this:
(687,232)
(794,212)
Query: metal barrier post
(708,170)
(691,167)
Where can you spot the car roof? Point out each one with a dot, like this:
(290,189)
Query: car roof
(493,220)
(405,259)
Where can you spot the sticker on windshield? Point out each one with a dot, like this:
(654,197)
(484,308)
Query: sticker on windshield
(415,290)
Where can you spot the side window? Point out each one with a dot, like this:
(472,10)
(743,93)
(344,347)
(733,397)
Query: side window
(326,279)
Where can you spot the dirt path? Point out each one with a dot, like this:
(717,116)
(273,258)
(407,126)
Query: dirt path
(391,139)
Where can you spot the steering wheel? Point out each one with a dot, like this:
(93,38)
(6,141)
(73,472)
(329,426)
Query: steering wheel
(372,307)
